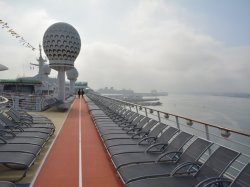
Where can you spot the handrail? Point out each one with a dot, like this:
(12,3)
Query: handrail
(23,94)
(178,116)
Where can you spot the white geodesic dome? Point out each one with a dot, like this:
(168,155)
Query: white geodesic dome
(62,44)
(72,74)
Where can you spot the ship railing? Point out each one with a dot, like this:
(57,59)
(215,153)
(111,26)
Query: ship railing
(29,102)
(235,139)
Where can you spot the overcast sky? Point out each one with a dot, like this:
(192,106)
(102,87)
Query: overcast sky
(168,45)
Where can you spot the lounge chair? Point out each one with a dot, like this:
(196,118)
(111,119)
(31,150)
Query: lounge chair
(17,160)
(124,135)
(128,119)
(242,180)
(141,137)
(157,146)
(25,148)
(30,122)
(125,128)
(143,126)
(100,114)
(130,129)
(7,184)
(165,163)
(134,123)
(14,121)
(12,138)
(24,131)
(7,132)
(192,173)
(123,159)
(22,115)
(108,122)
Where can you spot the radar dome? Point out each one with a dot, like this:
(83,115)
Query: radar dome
(62,44)
(72,74)
(46,69)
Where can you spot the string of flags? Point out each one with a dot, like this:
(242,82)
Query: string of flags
(21,40)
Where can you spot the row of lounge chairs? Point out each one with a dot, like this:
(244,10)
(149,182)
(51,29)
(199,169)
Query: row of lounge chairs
(147,153)
(22,138)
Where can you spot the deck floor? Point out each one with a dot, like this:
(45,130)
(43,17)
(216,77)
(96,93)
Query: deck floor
(78,157)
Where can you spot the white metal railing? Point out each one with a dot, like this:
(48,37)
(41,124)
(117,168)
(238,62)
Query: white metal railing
(29,102)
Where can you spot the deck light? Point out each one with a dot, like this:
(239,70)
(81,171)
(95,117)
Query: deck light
(189,122)
(225,133)
(166,116)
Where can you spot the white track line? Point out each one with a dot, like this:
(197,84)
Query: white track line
(46,155)
(80,144)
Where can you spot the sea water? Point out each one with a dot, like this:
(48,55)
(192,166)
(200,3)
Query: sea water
(229,112)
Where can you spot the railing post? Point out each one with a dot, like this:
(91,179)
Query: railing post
(16,102)
(177,122)
(207,133)
(146,112)
(136,109)
(208,138)
(159,117)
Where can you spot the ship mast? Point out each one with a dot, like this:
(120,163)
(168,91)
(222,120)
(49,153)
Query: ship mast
(40,61)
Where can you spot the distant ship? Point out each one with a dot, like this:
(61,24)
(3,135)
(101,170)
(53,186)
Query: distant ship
(133,97)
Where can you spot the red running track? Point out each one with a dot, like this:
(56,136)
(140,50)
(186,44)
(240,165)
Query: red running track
(61,167)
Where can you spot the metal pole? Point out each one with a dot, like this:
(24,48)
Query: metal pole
(207,133)
(159,117)
(208,138)
(136,108)
(146,112)
(177,122)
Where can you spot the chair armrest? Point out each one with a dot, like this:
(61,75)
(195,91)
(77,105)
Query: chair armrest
(172,155)
(128,127)
(25,123)
(27,118)
(147,139)
(8,132)
(124,123)
(139,134)
(3,140)
(191,167)
(133,130)
(212,181)
(17,127)
(162,147)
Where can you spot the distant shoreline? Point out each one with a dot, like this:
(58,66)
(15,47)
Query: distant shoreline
(238,95)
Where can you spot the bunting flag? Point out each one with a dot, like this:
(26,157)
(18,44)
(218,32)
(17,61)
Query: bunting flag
(13,33)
